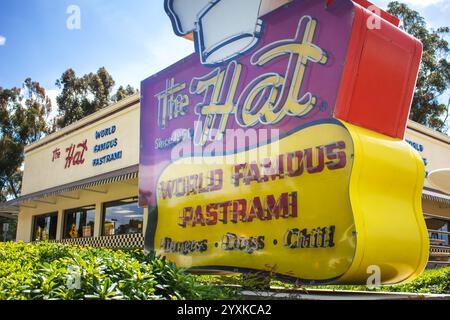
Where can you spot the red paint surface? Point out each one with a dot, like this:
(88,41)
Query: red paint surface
(380,75)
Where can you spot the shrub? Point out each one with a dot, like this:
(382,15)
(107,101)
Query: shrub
(431,281)
(58,271)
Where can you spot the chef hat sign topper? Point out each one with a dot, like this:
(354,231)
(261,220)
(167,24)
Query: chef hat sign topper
(206,18)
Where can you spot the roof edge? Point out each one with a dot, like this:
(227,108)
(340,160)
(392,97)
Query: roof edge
(427,131)
(128,101)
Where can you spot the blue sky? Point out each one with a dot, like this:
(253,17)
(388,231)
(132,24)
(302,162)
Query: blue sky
(132,39)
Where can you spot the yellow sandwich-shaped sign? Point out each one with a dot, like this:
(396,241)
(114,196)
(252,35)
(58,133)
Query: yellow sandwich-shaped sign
(301,207)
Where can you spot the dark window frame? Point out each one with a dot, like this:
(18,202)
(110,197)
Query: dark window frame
(44,215)
(66,212)
(11,229)
(116,203)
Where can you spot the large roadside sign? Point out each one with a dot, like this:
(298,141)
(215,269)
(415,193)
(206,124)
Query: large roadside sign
(278,146)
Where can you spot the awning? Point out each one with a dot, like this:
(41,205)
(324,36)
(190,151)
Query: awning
(9,213)
(436,196)
(12,207)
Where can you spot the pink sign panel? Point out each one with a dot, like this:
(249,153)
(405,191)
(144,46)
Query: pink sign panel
(289,79)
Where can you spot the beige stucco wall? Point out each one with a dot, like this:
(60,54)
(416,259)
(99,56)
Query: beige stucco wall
(436,147)
(436,152)
(436,208)
(41,173)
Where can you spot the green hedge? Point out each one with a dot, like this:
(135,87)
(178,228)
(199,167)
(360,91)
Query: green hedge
(49,271)
(42,271)
(431,281)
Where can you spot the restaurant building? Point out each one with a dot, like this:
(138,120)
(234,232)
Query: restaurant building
(80,184)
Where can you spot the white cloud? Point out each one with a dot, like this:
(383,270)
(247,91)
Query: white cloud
(2,40)
(417,4)
(423,3)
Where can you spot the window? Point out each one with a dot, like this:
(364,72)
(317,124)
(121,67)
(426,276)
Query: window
(44,227)
(438,229)
(122,217)
(443,236)
(8,229)
(79,223)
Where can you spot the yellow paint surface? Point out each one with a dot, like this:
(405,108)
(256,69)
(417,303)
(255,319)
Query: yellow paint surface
(373,203)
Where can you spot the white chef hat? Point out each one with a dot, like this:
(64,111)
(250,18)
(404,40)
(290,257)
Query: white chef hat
(183,14)
(223,29)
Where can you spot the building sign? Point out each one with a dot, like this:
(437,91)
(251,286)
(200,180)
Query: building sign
(75,153)
(255,155)
(109,144)
(419,148)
